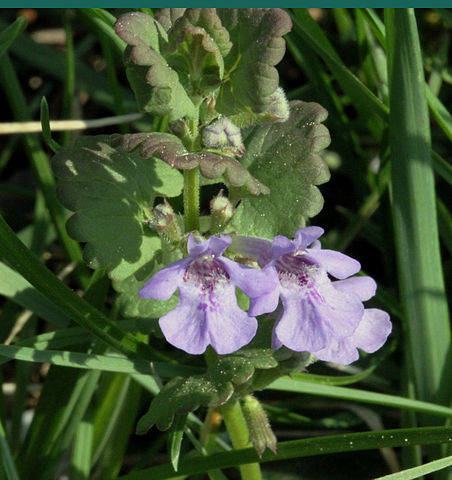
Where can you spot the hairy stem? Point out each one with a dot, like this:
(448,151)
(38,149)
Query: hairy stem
(191,199)
(238,431)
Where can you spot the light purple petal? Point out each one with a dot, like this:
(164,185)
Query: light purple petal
(305,236)
(266,303)
(373,330)
(252,282)
(341,312)
(196,247)
(337,264)
(185,328)
(229,327)
(300,327)
(282,246)
(363,287)
(370,335)
(165,282)
(342,352)
(256,248)
(217,245)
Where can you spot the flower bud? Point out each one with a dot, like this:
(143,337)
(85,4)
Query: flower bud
(279,106)
(165,222)
(221,212)
(223,134)
(261,434)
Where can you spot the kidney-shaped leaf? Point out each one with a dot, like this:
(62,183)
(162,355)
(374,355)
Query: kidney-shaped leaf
(111,193)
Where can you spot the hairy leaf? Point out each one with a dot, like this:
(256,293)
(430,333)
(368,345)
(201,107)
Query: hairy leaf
(241,372)
(155,84)
(171,150)
(197,43)
(111,193)
(250,74)
(285,157)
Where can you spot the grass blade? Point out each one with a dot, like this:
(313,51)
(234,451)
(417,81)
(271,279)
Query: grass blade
(416,472)
(414,212)
(300,448)
(87,316)
(286,384)
(10,33)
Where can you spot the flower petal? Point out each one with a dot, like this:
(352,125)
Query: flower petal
(185,328)
(252,282)
(300,327)
(342,352)
(165,282)
(256,248)
(363,287)
(373,330)
(282,246)
(337,264)
(217,245)
(229,327)
(266,303)
(341,312)
(196,247)
(305,236)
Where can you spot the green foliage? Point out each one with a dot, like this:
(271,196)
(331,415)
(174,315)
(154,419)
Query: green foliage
(211,165)
(251,77)
(285,156)
(155,84)
(111,193)
(249,369)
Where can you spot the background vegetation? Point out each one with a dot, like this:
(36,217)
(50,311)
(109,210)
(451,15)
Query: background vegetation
(67,409)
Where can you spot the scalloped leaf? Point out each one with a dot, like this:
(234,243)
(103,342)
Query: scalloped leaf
(199,37)
(111,192)
(285,157)
(167,16)
(171,150)
(131,305)
(156,85)
(250,73)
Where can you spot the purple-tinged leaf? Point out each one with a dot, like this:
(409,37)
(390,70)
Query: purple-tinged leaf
(170,149)
(256,34)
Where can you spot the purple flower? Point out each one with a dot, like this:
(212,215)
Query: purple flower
(207,313)
(326,318)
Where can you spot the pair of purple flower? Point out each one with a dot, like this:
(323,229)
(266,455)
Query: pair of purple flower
(326,318)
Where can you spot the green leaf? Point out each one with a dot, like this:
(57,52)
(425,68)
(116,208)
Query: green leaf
(422,288)
(15,287)
(111,193)
(171,150)
(155,84)
(130,303)
(352,394)
(249,369)
(10,33)
(299,448)
(175,439)
(197,43)
(285,157)
(417,472)
(250,74)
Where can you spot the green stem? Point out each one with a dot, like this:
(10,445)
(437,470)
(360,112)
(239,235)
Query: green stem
(238,431)
(191,199)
